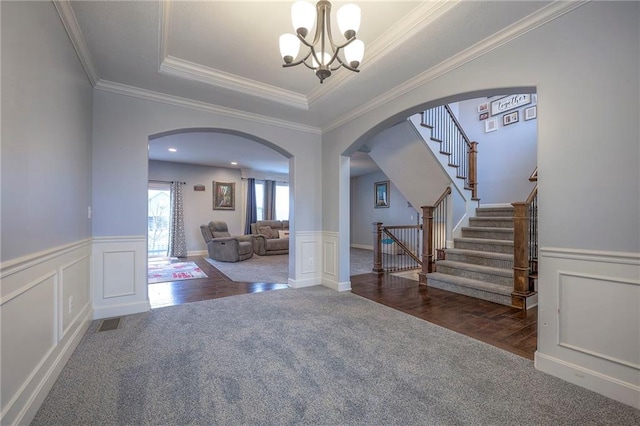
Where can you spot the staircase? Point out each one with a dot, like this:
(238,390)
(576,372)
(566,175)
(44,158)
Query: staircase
(481,263)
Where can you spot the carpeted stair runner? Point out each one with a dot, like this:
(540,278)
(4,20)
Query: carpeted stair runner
(481,263)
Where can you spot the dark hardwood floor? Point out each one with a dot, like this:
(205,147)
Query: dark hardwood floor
(495,324)
(489,322)
(216,285)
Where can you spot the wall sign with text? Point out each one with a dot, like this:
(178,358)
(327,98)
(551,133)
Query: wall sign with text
(508,103)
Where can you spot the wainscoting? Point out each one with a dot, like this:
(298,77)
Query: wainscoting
(119,276)
(589,327)
(307,254)
(45,309)
(331,262)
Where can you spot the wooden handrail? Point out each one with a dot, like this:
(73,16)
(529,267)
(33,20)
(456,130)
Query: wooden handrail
(532,196)
(534,176)
(400,243)
(442,197)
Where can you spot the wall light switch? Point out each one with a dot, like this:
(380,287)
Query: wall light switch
(89,212)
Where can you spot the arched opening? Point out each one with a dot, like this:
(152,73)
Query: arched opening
(221,174)
(510,153)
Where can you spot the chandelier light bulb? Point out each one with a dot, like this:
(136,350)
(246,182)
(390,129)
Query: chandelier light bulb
(354,52)
(289,47)
(303,15)
(349,20)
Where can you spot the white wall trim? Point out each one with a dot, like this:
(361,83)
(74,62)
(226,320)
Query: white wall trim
(306,282)
(123,89)
(337,286)
(414,22)
(37,283)
(546,14)
(191,71)
(19,264)
(204,253)
(121,309)
(626,258)
(592,380)
(72,28)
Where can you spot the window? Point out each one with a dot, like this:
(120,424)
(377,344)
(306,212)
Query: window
(282,201)
(158,219)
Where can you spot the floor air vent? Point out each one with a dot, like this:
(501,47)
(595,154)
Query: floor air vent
(109,324)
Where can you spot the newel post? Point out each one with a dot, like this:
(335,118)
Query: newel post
(377,248)
(473,170)
(520,255)
(428,265)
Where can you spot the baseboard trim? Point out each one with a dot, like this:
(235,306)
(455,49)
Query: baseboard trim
(204,253)
(610,387)
(334,285)
(362,246)
(37,397)
(306,282)
(122,309)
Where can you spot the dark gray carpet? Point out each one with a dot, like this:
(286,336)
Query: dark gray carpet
(257,269)
(306,356)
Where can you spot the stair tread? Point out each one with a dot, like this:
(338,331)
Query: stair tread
(468,282)
(477,253)
(477,268)
(487,229)
(484,241)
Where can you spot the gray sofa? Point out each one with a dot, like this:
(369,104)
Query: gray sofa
(222,246)
(266,239)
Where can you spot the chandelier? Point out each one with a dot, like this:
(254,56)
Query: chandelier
(323,55)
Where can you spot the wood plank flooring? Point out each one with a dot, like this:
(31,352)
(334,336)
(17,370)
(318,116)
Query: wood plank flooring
(489,322)
(216,285)
(495,324)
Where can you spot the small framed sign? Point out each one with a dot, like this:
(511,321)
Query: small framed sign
(508,103)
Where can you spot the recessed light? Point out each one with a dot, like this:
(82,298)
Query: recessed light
(234,163)
(173,150)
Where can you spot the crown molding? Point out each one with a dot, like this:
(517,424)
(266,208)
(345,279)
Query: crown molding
(68,18)
(123,89)
(184,69)
(417,20)
(176,67)
(512,32)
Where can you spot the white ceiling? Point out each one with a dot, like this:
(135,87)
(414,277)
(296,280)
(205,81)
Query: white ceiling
(225,54)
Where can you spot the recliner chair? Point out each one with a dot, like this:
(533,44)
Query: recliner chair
(224,247)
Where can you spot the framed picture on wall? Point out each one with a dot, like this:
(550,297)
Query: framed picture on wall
(224,195)
(530,113)
(490,125)
(484,107)
(510,118)
(483,116)
(381,193)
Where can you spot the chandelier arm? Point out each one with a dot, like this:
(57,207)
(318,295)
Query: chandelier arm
(348,42)
(345,65)
(301,61)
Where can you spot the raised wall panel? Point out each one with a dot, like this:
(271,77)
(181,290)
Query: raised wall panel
(308,250)
(307,259)
(37,334)
(119,273)
(119,276)
(589,320)
(330,258)
(579,329)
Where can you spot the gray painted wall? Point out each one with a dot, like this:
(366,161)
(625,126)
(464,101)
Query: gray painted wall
(363,212)
(506,157)
(46,133)
(198,205)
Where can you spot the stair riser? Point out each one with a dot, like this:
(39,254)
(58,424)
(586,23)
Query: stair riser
(475,275)
(484,261)
(472,292)
(488,223)
(494,213)
(492,248)
(490,235)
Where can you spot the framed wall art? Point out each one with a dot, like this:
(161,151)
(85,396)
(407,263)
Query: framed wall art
(224,195)
(508,103)
(381,192)
(490,125)
(530,113)
(483,107)
(483,116)
(512,117)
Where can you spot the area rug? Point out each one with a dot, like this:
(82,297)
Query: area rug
(166,271)
(257,269)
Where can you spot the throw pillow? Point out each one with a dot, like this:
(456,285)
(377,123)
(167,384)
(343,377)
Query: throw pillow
(268,232)
(283,234)
(221,234)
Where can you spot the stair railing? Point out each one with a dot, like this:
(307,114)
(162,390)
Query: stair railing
(525,246)
(434,235)
(454,142)
(396,247)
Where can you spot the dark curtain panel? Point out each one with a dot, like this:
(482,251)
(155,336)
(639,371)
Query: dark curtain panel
(177,238)
(252,214)
(269,199)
